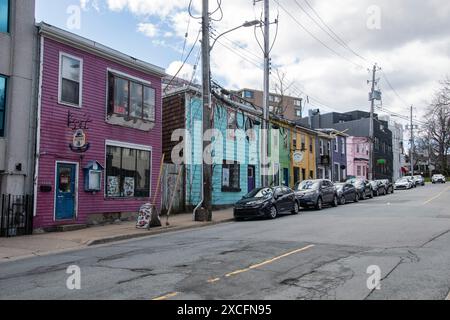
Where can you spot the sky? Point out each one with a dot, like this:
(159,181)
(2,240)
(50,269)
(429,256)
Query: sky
(326,49)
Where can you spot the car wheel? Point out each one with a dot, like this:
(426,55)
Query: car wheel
(273,212)
(335,202)
(296,208)
(371,194)
(363,196)
(343,201)
(356,197)
(319,204)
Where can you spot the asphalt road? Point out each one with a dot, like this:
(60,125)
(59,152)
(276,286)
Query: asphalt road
(315,255)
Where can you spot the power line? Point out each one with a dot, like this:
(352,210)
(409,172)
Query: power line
(316,38)
(337,37)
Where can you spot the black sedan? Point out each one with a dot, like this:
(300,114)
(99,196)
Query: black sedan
(346,193)
(363,187)
(267,203)
(378,188)
(388,186)
(316,194)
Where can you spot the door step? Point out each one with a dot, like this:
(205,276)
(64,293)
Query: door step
(71,227)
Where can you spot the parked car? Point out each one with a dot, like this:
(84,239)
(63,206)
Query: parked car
(388,186)
(403,184)
(438,178)
(412,180)
(316,193)
(267,202)
(420,181)
(346,192)
(378,188)
(363,187)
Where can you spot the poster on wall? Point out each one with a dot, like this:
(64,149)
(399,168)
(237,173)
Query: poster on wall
(128,187)
(113,186)
(226,177)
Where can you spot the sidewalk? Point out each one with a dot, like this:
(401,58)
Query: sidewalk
(48,243)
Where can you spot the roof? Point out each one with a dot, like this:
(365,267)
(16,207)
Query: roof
(98,49)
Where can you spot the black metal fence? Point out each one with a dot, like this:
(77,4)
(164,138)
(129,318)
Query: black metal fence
(16,215)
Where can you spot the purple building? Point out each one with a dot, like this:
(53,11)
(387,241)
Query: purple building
(99,131)
(337,142)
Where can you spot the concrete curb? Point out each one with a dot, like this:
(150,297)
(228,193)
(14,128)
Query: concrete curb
(152,233)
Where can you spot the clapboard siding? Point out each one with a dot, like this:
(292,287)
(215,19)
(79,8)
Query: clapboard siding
(56,136)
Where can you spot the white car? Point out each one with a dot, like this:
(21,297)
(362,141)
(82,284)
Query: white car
(403,184)
(438,178)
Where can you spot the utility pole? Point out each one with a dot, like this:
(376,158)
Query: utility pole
(264,140)
(411,157)
(371,126)
(207,113)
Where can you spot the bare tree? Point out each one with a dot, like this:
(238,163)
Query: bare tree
(437,128)
(282,89)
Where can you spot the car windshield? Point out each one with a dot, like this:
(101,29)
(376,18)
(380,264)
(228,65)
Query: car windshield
(308,185)
(259,193)
(403,180)
(340,185)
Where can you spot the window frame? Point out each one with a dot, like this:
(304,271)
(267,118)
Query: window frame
(130,79)
(60,78)
(8,18)
(135,147)
(5,100)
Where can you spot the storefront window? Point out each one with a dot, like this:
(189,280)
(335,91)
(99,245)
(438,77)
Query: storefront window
(231,177)
(4,15)
(128,173)
(131,98)
(2,105)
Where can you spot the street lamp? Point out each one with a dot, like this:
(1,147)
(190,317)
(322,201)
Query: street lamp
(246,24)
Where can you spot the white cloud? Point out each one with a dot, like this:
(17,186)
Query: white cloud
(148,29)
(186,72)
(147,7)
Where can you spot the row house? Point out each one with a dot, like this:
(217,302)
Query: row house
(236,162)
(358,149)
(336,148)
(99,131)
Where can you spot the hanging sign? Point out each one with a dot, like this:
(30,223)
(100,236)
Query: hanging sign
(298,156)
(79,142)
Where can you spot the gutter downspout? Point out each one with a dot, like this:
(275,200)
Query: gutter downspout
(38,127)
(202,181)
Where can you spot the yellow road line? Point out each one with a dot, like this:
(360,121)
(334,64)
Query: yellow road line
(259,265)
(167,296)
(213,280)
(437,196)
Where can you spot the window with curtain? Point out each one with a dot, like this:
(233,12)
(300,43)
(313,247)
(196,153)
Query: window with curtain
(70,80)
(231,177)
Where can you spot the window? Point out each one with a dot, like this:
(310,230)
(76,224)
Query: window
(310,145)
(358,171)
(343,145)
(322,151)
(130,98)
(294,143)
(303,143)
(231,177)
(329,148)
(4,15)
(357,148)
(298,113)
(311,174)
(71,73)
(298,103)
(271,108)
(248,94)
(2,105)
(127,172)
(336,144)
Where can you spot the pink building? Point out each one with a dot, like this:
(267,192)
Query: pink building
(99,131)
(358,157)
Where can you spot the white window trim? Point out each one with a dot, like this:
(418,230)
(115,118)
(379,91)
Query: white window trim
(134,146)
(60,101)
(129,77)
(343,146)
(76,188)
(336,144)
(338,171)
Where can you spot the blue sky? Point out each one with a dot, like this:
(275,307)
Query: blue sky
(114,29)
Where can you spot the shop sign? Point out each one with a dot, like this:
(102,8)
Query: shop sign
(298,156)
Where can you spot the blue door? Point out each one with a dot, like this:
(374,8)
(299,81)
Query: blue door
(286,177)
(65,191)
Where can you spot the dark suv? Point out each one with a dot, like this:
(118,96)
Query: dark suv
(363,187)
(316,194)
